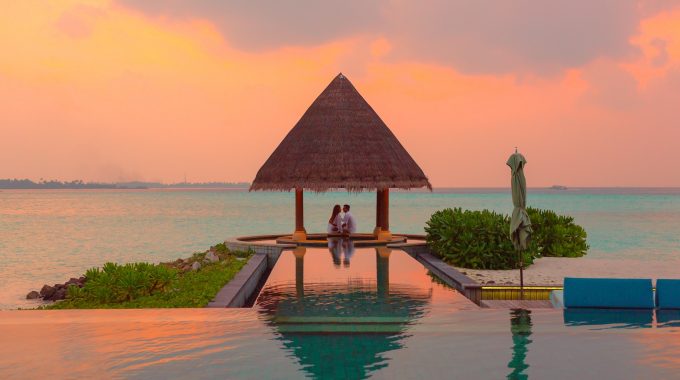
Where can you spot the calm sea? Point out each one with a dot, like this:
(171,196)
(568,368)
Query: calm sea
(47,236)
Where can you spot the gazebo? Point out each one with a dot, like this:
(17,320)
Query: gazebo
(340,143)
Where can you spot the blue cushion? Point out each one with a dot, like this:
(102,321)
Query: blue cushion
(614,293)
(668,294)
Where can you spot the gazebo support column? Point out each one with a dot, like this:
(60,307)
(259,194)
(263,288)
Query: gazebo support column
(385,233)
(378,212)
(300,233)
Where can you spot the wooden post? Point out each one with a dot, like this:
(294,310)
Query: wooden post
(300,233)
(378,212)
(386,210)
(384,202)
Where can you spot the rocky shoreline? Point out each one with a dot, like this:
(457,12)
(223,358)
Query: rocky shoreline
(56,292)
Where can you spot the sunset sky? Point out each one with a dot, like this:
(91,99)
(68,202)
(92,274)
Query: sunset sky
(152,90)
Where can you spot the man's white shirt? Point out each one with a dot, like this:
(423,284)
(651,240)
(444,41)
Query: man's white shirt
(351,223)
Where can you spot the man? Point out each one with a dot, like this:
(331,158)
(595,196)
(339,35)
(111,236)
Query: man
(349,224)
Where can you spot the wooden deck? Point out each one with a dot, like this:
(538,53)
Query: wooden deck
(516,304)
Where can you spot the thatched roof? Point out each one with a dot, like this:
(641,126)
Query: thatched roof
(340,142)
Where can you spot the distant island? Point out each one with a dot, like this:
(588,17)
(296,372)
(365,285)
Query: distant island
(78,184)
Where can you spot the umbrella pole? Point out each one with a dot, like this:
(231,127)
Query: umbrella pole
(521,275)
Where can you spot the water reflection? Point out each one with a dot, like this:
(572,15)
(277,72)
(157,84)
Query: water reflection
(609,318)
(667,318)
(520,326)
(342,326)
(342,250)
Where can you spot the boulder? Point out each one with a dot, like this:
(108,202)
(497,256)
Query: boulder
(32,295)
(196,266)
(59,294)
(212,257)
(72,281)
(47,291)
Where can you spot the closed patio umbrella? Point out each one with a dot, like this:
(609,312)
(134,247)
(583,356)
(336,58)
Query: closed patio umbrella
(520,225)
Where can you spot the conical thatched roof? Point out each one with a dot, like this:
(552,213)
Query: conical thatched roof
(340,142)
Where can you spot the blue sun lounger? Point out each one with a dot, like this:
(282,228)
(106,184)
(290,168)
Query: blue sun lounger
(608,293)
(667,294)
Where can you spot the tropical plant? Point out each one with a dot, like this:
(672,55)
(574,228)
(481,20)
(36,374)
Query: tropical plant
(557,235)
(480,239)
(141,285)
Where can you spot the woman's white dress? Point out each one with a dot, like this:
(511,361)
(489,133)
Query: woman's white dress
(337,224)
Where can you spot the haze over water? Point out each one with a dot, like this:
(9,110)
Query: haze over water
(50,236)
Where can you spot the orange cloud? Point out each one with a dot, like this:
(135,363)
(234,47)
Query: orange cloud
(97,91)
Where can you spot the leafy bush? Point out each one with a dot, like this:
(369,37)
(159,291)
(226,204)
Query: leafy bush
(144,285)
(472,239)
(557,235)
(120,283)
(480,239)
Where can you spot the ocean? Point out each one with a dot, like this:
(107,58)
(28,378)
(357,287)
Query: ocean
(48,236)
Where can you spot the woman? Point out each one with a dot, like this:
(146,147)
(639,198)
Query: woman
(335,223)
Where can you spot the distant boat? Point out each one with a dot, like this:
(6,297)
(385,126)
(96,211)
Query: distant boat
(558,187)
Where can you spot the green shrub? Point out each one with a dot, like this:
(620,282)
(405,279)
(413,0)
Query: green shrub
(144,285)
(472,239)
(557,235)
(120,283)
(480,239)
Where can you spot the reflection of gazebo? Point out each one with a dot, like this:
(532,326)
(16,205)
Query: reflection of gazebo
(340,143)
(342,329)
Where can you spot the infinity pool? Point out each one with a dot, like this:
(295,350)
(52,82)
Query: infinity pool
(324,314)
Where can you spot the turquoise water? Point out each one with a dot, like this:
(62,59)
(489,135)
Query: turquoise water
(378,315)
(242,344)
(48,236)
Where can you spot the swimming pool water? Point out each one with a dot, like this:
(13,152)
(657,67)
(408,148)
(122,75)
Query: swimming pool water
(244,344)
(325,314)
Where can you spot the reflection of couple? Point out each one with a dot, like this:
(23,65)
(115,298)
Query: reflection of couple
(342,223)
(338,247)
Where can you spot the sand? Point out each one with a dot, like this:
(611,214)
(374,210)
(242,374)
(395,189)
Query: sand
(552,270)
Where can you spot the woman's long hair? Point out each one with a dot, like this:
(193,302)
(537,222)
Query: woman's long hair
(336,211)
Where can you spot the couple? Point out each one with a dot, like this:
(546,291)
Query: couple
(342,224)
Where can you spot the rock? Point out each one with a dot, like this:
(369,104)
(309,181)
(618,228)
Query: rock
(491,282)
(59,294)
(32,295)
(71,281)
(47,291)
(212,257)
(465,273)
(196,266)
(59,286)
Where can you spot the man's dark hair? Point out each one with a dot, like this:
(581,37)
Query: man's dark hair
(346,206)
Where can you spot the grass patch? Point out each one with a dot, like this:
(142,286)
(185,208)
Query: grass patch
(164,285)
